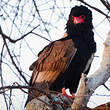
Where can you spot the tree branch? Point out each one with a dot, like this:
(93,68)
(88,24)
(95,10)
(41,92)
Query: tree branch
(14,41)
(101,75)
(105,4)
(13,62)
(79,98)
(98,10)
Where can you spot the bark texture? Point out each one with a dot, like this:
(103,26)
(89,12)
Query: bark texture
(102,74)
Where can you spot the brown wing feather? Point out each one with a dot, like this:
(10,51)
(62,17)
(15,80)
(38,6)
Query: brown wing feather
(52,61)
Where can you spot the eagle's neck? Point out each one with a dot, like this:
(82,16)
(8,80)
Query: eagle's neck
(79,33)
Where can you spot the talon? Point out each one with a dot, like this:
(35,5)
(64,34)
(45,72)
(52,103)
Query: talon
(71,98)
(63,91)
(73,95)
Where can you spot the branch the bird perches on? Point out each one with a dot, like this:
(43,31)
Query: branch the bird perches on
(86,88)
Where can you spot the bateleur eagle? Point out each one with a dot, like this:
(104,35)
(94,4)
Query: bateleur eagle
(61,63)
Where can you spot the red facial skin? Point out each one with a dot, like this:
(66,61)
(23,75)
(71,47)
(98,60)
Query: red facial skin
(79,19)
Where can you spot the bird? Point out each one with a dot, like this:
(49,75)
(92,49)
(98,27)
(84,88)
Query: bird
(61,63)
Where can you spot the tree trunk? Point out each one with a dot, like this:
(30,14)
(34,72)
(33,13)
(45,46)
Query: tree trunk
(101,75)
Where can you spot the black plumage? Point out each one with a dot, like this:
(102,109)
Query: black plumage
(83,38)
(61,63)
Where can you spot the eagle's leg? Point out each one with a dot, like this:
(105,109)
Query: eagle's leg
(71,98)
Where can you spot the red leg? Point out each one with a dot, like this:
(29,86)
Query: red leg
(68,96)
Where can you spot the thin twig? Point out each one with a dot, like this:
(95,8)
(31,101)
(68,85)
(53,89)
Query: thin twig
(22,87)
(4,39)
(41,19)
(10,101)
(1,77)
(41,36)
(14,41)
(98,10)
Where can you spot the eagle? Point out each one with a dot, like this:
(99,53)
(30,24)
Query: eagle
(61,63)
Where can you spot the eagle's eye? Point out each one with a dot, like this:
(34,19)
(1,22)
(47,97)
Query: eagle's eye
(83,16)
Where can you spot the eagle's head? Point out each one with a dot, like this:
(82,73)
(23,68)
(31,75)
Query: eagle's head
(80,18)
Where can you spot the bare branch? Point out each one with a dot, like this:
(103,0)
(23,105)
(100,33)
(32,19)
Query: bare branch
(14,41)
(41,36)
(20,72)
(100,76)
(79,98)
(1,77)
(102,107)
(41,18)
(105,4)
(98,10)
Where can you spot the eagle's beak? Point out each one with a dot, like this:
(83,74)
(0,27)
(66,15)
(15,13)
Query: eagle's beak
(76,20)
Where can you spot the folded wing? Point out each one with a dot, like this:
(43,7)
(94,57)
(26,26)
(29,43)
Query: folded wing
(53,60)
